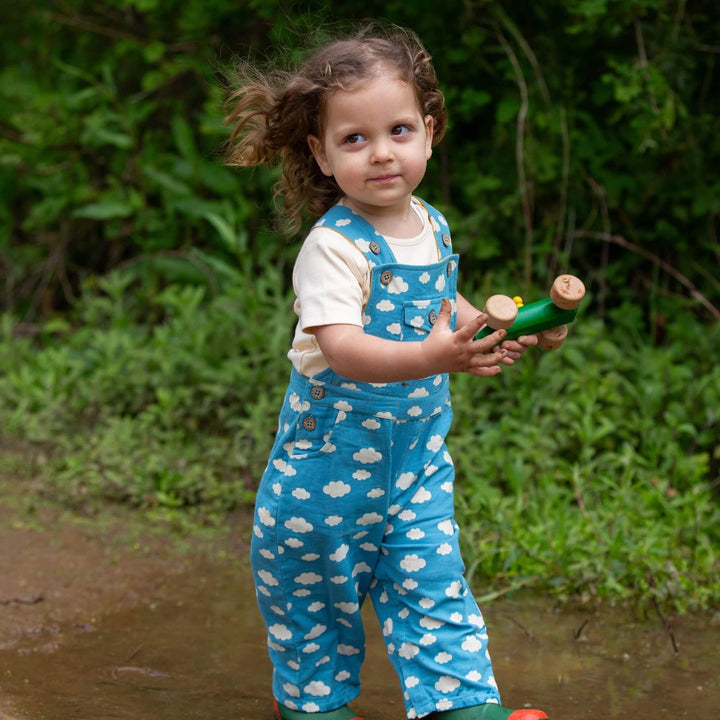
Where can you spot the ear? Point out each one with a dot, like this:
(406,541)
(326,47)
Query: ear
(318,151)
(429,127)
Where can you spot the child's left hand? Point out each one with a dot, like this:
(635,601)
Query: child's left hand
(516,348)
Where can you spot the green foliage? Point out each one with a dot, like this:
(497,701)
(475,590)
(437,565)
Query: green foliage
(165,415)
(594,470)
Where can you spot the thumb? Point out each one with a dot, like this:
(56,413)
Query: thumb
(443,318)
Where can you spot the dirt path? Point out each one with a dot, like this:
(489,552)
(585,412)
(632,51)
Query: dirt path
(112,617)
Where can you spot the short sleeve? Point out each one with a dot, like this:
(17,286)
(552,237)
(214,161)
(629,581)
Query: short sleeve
(331,281)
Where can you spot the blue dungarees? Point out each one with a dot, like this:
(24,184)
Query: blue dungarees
(357,498)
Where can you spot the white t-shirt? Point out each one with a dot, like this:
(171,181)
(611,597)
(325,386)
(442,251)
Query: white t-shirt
(331,279)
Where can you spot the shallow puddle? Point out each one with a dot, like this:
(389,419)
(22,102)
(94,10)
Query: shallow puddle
(199,652)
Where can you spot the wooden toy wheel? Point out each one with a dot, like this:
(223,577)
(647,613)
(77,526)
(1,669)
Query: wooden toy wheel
(501,311)
(552,339)
(567,292)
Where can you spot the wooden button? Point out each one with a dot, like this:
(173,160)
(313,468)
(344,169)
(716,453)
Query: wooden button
(317,393)
(309,423)
(374,248)
(432,317)
(446,240)
(386,277)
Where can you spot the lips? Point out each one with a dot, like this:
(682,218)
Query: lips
(384,179)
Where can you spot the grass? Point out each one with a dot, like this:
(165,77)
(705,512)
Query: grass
(590,472)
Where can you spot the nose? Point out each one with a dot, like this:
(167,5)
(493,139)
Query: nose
(381,151)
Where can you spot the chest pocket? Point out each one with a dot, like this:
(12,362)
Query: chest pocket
(420,315)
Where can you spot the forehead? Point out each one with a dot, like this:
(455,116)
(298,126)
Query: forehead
(381,98)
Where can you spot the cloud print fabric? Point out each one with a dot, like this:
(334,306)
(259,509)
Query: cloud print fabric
(357,500)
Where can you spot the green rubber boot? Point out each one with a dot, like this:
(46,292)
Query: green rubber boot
(280,712)
(490,711)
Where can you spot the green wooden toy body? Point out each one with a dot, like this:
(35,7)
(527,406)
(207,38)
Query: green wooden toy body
(533,318)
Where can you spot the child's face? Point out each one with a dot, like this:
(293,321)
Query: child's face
(376,143)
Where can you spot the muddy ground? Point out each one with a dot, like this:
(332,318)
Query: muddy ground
(113,616)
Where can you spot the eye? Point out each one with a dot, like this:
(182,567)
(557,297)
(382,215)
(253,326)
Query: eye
(354,139)
(400,130)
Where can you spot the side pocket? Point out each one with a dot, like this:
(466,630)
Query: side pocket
(421,315)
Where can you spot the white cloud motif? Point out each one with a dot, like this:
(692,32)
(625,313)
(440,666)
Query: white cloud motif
(347,650)
(369,519)
(414,411)
(421,496)
(337,488)
(343,405)
(440,283)
(412,681)
(316,606)
(443,658)
(447,684)
(412,563)
(415,534)
(280,631)
(298,406)
(435,443)
(408,651)
(284,468)
(268,578)
(405,480)
(418,321)
(342,675)
(446,527)
(265,517)
(342,222)
(472,644)
(406,515)
(361,567)
(333,520)
(298,524)
(453,590)
(424,278)
(444,549)
(347,607)
(385,305)
(371,424)
(316,632)
(375,493)
(361,475)
(317,688)
(367,456)
(394,328)
(308,578)
(431,623)
(420,392)
(291,690)
(300,494)
(340,553)
(397,286)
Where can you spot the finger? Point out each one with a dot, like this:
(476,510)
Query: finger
(485,371)
(473,327)
(528,340)
(492,341)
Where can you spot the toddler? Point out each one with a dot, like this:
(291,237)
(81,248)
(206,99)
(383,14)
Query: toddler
(357,496)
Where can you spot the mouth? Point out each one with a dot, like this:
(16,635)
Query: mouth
(384,179)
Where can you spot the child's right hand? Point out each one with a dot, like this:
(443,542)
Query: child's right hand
(458,351)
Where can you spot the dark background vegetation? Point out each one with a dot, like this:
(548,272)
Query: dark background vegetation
(144,301)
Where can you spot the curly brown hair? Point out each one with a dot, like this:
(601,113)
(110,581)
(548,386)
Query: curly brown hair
(272,113)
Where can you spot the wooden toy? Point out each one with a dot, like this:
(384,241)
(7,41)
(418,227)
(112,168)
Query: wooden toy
(547,318)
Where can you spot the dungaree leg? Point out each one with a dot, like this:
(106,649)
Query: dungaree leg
(434,632)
